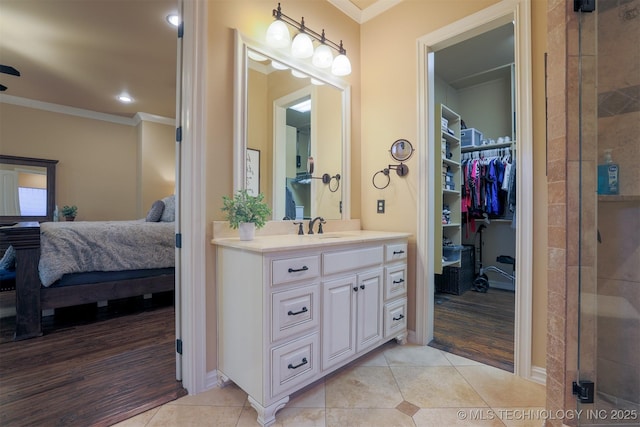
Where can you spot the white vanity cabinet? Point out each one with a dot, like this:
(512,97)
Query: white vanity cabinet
(290,314)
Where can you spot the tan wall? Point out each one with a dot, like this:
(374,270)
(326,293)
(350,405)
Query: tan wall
(157,163)
(383,111)
(389,103)
(252,17)
(99,168)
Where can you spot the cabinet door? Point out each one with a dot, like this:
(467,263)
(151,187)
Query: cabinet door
(338,320)
(369,323)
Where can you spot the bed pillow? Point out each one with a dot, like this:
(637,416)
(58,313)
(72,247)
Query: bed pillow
(8,261)
(155,213)
(169,213)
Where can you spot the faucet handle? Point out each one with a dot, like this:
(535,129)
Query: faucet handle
(300,230)
(322,221)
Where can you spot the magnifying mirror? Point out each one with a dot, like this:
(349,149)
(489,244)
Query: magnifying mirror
(401,150)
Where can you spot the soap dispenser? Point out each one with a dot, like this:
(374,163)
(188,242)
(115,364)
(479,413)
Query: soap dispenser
(608,175)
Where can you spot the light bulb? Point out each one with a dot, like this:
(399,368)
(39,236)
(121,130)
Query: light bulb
(341,65)
(278,35)
(322,57)
(302,46)
(256,56)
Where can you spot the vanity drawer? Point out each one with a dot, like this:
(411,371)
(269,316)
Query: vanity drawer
(293,269)
(337,262)
(395,282)
(294,363)
(294,311)
(396,252)
(395,317)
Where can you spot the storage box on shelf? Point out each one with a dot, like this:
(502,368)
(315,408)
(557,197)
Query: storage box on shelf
(470,137)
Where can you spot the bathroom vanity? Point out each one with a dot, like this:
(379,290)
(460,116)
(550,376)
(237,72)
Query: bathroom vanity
(292,309)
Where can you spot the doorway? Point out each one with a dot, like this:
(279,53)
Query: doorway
(499,15)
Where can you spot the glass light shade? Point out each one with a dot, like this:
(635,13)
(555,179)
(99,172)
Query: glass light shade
(316,82)
(298,74)
(278,65)
(322,57)
(341,65)
(278,35)
(302,46)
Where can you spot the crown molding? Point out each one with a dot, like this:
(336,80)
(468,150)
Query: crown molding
(87,114)
(362,16)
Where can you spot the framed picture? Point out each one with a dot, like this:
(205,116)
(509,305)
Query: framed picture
(252,167)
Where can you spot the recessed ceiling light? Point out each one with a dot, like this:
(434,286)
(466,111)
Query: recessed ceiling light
(173,19)
(126,99)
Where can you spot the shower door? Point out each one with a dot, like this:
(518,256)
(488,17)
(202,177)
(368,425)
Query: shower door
(608,72)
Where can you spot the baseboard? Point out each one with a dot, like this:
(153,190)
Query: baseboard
(211,380)
(538,375)
(411,337)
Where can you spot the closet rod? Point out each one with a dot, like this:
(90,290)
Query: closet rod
(510,144)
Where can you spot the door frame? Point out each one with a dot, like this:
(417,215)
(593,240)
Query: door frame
(518,12)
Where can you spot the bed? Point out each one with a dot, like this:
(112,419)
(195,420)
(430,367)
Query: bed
(61,264)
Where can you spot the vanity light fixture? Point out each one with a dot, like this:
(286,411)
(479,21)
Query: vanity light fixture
(401,150)
(302,47)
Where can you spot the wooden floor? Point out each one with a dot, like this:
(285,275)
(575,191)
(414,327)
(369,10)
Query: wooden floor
(107,366)
(478,326)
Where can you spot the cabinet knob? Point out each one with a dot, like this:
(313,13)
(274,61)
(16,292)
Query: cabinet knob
(361,286)
(355,289)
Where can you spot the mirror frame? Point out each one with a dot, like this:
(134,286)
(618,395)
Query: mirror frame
(50,166)
(240,115)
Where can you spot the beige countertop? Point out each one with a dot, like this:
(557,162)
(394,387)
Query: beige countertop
(273,243)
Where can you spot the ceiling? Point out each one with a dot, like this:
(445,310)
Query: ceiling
(83,54)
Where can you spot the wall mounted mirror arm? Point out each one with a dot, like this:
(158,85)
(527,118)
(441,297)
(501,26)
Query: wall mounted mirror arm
(401,150)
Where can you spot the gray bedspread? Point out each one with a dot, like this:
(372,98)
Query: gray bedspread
(83,246)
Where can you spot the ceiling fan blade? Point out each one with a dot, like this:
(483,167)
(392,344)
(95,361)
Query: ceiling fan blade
(6,69)
(3,88)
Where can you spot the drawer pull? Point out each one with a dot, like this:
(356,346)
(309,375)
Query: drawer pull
(398,281)
(400,317)
(291,313)
(398,252)
(361,286)
(355,289)
(304,362)
(296,270)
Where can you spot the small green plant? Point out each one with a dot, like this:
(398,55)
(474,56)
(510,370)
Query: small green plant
(244,207)
(69,211)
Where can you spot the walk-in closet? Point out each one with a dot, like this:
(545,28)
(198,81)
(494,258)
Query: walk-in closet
(475,122)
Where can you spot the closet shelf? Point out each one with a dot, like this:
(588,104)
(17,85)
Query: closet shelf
(452,224)
(450,162)
(510,144)
(445,191)
(449,263)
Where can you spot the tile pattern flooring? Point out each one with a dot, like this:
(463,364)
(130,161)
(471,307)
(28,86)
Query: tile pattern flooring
(391,386)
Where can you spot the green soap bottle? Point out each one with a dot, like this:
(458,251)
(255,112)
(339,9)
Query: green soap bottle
(608,175)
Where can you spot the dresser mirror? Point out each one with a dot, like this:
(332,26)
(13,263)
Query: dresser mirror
(28,189)
(289,119)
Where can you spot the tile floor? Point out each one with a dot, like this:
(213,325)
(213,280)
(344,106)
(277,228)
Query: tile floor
(391,386)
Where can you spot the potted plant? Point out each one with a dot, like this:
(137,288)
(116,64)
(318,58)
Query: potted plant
(246,212)
(69,212)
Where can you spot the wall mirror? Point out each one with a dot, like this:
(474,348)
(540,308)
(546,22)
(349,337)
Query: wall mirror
(290,111)
(27,189)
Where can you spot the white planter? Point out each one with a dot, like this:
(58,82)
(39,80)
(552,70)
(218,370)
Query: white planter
(247,230)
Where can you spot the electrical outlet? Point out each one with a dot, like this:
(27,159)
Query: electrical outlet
(380,206)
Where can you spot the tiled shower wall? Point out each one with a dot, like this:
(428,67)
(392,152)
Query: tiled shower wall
(575,139)
(618,322)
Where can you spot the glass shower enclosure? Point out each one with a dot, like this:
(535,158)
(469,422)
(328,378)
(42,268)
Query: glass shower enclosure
(608,67)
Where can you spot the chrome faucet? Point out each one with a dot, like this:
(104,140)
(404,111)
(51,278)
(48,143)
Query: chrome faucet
(313,221)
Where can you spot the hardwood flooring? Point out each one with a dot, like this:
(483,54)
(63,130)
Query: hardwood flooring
(478,326)
(91,368)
